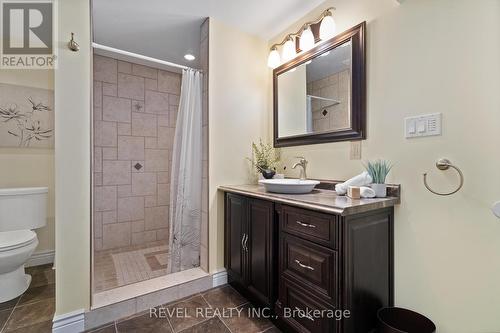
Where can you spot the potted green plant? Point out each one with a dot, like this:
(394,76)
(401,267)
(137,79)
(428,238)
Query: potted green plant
(265,159)
(379,170)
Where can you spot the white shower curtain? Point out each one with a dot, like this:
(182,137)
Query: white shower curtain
(186,177)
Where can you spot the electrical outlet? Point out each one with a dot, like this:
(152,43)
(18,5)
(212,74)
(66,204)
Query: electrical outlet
(355,150)
(425,125)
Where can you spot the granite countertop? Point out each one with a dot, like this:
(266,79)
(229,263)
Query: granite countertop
(321,200)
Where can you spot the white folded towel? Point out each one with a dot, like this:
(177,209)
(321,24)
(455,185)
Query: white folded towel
(360,180)
(366,192)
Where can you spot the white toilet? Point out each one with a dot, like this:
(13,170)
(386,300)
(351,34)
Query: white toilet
(21,209)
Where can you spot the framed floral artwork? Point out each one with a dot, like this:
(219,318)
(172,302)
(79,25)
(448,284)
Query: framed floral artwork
(26,117)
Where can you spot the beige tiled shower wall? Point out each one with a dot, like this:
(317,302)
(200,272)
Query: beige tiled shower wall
(326,117)
(204,217)
(135,110)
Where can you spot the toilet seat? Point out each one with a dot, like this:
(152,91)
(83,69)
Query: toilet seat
(11,240)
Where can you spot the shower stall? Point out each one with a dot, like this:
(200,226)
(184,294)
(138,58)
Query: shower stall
(150,149)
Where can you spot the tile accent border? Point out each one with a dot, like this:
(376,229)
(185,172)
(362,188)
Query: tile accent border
(69,322)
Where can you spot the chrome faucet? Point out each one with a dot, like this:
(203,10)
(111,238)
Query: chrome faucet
(303,163)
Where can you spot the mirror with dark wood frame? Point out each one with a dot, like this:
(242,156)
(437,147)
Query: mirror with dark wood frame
(320,96)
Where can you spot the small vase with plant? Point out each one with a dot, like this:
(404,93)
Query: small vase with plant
(265,159)
(379,170)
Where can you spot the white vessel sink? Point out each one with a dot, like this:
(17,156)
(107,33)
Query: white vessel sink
(289,186)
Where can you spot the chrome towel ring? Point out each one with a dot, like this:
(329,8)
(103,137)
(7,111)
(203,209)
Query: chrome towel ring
(445,164)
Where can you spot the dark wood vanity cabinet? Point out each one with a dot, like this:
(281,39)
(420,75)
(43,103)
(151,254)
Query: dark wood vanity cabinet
(334,262)
(300,262)
(250,248)
(234,239)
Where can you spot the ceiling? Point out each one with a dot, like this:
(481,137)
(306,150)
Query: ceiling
(168,29)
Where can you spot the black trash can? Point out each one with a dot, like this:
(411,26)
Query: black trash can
(399,320)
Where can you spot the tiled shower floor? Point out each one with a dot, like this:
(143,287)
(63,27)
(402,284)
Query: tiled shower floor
(131,264)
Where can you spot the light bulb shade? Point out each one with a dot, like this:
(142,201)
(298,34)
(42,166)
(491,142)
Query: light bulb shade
(306,40)
(327,28)
(273,60)
(288,50)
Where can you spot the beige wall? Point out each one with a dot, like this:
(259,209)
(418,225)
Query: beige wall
(25,167)
(433,56)
(40,78)
(72,159)
(238,115)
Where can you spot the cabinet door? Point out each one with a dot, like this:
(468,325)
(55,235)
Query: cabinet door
(235,235)
(368,268)
(261,254)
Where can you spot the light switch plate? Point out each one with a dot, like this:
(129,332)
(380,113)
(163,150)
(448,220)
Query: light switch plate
(424,125)
(355,150)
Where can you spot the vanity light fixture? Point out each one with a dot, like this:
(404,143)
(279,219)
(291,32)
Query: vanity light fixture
(288,50)
(273,60)
(306,39)
(328,27)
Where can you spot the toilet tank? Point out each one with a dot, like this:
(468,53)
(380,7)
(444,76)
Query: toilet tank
(23,208)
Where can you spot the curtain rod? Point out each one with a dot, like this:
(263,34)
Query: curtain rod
(140,56)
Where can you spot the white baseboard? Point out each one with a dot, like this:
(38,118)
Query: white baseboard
(219,278)
(41,258)
(72,322)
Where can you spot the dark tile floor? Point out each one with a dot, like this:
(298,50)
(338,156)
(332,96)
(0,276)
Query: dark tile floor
(32,311)
(219,310)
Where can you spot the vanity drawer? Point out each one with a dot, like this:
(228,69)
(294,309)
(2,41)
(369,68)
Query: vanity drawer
(317,227)
(312,265)
(304,312)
